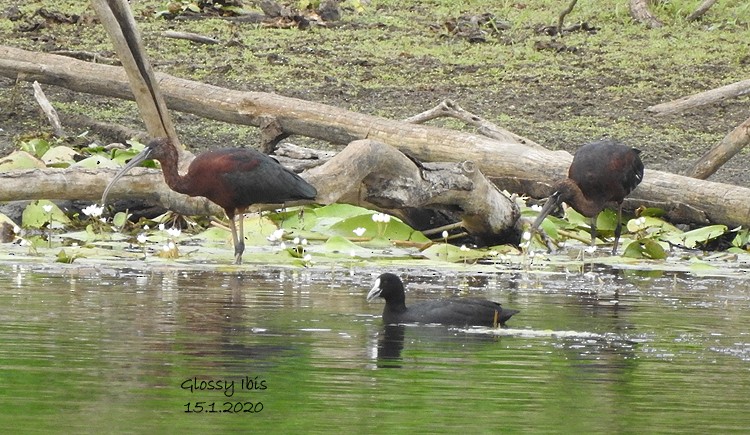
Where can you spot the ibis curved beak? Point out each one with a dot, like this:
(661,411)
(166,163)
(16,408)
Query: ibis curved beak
(135,161)
(552,203)
(375,291)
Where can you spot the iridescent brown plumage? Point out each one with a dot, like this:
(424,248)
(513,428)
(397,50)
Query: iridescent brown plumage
(233,178)
(602,173)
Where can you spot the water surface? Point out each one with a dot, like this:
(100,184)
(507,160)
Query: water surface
(104,350)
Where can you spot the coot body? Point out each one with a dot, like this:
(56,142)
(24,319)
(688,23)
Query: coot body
(451,311)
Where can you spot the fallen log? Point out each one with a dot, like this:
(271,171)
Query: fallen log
(719,203)
(366,173)
(701,99)
(730,145)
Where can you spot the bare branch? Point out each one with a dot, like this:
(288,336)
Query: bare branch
(701,99)
(700,10)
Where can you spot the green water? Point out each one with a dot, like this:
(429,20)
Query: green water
(98,350)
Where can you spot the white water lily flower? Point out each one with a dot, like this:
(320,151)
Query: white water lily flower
(526,235)
(359,231)
(47,208)
(307,258)
(464,248)
(381,217)
(142,238)
(174,232)
(276,235)
(161,227)
(93,211)
(445,234)
(296,241)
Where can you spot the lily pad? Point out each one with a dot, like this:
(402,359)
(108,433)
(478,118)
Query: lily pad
(96,162)
(691,239)
(36,215)
(20,160)
(645,248)
(453,254)
(59,157)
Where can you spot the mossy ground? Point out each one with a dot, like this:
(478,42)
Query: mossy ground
(396,58)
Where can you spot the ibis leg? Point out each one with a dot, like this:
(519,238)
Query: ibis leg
(593,230)
(239,244)
(618,229)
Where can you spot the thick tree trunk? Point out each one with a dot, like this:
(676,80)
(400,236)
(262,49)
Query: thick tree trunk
(719,203)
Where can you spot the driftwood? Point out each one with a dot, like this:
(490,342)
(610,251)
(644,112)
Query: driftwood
(730,145)
(192,37)
(48,110)
(639,11)
(701,99)
(385,179)
(517,164)
(486,128)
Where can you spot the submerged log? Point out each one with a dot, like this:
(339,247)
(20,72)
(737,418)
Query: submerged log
(719,203)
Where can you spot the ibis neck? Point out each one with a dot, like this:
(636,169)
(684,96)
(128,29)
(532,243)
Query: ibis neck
(172,177)
(574,197)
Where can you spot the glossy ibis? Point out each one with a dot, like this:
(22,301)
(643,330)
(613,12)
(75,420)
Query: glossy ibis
(452,311)
(233,178)
(602,173)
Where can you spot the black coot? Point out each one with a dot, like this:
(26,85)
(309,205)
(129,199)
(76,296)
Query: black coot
(452,311)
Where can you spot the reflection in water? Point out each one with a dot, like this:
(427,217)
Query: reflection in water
(107,351)
(390,345)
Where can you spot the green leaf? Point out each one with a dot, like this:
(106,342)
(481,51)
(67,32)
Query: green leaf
(606,221)
(453,254)
(20,160)
(395,229)
(59,157)
(645,248)
(35,216)
(121,157)
(35,147)
(651,212)
(651,223)
(742,238)
(120,219)
(63,257)
(96,162)
(691,239)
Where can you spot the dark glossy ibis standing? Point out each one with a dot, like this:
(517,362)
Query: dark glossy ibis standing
(602,173)
(233,178)
(452,311)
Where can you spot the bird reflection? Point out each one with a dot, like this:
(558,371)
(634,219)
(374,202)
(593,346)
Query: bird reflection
(390,345)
